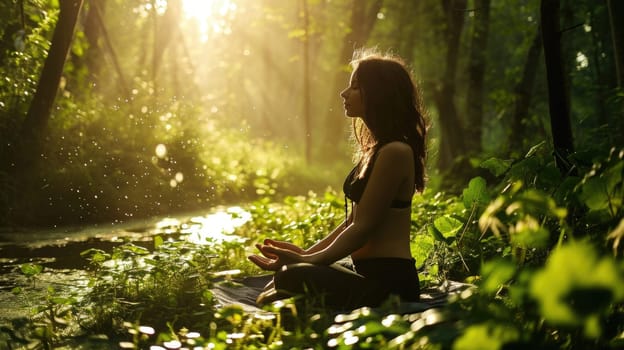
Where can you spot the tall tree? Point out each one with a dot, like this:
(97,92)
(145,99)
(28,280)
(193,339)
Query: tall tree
(93,34)
(95,30)
(452,143)
(363,19)
(39,112)
(166,31)
(616,13)
(306,80)
(558,101)
(523,92)
(476,75)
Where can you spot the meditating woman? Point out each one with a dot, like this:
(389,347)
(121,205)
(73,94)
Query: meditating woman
(389,128)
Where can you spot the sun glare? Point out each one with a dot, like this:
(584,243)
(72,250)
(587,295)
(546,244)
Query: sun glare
(212,16)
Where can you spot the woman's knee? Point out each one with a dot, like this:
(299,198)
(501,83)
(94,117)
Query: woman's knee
(292,277)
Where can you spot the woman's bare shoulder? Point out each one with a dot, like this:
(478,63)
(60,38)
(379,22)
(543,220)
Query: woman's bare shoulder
(396,150)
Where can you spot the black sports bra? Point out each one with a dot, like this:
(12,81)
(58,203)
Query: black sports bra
(353,187)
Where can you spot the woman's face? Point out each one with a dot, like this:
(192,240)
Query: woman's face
(353,101)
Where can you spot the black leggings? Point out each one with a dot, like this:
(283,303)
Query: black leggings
(370,283)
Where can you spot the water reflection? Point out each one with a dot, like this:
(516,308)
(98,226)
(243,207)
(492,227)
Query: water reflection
(213,228)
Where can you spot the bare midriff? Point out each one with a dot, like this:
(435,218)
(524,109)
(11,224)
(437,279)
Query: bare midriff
(392,238)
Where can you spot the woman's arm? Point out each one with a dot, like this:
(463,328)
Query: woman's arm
(323,243)
(320,245)
(271,261)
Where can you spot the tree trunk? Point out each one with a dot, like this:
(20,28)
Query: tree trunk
(93,34)
(604,78)
(306,82)
(616,10)
(414,12)
(452,142)
(40,108)
(363,20)
(558,101)
(96,10)
(523,93)
(165,32)
(476,76)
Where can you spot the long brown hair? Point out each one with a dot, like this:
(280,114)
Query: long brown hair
(393,110)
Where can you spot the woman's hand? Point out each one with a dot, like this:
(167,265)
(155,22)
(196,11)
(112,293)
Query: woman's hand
(276,254)
(284,245)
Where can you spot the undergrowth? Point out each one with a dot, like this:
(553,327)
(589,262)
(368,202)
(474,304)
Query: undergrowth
(542,250)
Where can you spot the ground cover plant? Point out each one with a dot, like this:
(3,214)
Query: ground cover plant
(542,251)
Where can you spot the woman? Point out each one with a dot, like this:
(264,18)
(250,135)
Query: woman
(389,128)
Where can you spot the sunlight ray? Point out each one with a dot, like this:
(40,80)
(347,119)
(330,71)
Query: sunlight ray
(212,16)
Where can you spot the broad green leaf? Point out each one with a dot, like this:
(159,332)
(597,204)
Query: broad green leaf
(475,193)
(576,271)
(435,234)
(31,269)
(448,226)
(594,193)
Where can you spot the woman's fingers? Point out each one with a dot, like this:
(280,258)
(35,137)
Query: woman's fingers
(284,256)
(263,262)
(273,257)
(262,250)
(284,245)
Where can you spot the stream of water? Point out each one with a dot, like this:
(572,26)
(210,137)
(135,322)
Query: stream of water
(58,251)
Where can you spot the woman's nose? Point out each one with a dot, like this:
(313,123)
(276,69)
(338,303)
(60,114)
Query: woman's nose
(343,93)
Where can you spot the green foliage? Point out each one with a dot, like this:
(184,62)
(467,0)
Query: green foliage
(508,309)
(135,283)
(602,188)
(160,293)
(578,292)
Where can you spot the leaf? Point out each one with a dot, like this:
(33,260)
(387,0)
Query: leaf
(576,271)
(534,149)
(134,249)
(447,226)
(486,336)
(496,166)
(594,193)
(616,235)
(475,193)
(31,269)
(496,273)
(95,255)
(158,241)
(435,233)
(528,233)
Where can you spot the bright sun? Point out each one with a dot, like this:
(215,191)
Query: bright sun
(212,16)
